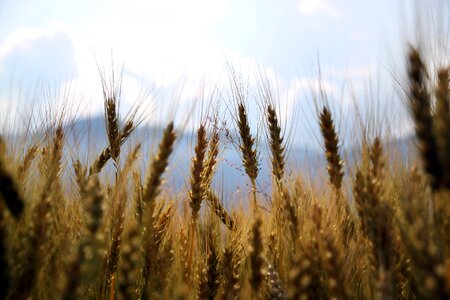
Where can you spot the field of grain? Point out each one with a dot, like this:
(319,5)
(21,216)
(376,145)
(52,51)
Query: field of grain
(375,230)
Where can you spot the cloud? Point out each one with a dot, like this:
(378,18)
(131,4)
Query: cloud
(32,55)
(323,7)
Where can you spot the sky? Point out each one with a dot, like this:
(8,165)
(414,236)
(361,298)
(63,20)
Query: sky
(174,53)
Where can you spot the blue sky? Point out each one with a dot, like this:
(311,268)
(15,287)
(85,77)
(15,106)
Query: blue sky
(173,43)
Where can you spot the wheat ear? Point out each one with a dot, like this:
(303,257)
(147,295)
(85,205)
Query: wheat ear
(256,257)
(211,160)
(443,121)
(112,126)
(77,272)
(9,192)
(25,164)
(158,165)
(209,277)
(5,279)
(197,192)
(249,155)
(231,265)
(218,209)
(419,99)
(276,144)
(118,220)
(331,141)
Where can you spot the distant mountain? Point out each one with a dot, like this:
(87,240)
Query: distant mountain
(86,138)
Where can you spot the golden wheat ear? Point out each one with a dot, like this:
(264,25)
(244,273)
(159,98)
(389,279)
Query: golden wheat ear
(129,261)
(154,227)
(219,210)
(246,146)
(155,234)
(276,142)
(274,286)
(256,257)
(209,274)
(420,106)
(112,126)
(5,280)
(25,164)
(442,123)
(81,264)
(211,160)
(9,192)
(231,266)
(158,165)
(377,220)
(197,192)
(331,141)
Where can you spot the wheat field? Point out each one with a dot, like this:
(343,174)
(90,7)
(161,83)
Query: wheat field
(371,231)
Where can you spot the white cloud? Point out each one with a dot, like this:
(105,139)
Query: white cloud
(36,63)
(311,7)
(315,86)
